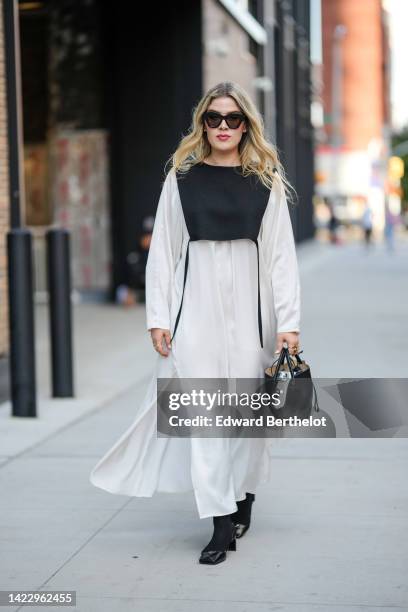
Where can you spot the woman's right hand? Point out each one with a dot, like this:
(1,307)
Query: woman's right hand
(161,339)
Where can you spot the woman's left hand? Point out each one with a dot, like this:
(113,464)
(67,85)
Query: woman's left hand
(292,340)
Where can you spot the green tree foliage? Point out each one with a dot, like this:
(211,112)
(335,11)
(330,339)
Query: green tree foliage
(402,137)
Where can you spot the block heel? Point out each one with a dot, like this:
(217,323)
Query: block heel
(224,538)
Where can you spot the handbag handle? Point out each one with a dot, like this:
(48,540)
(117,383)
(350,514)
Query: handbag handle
(279,363)
(298,359)
(284,354)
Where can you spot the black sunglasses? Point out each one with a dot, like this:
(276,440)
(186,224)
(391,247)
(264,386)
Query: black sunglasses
(214,119)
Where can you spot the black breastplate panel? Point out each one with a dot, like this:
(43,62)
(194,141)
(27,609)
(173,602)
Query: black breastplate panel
(220,204)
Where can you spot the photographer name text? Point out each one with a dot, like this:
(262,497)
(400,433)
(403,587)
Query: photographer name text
(259,421)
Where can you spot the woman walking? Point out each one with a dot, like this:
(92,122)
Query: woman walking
(222,296)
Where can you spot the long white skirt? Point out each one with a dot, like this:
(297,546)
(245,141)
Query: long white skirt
(217,337)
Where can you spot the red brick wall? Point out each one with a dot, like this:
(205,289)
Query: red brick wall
(363,88)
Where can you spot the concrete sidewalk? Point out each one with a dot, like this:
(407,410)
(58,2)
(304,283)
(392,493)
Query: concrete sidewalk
(329,531)
(112,352)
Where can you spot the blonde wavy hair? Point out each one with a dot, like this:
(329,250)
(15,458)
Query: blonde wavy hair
(258,156)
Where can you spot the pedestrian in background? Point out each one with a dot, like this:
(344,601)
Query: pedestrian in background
(367,224)
(391,221)
(333,223)
(136,260)
(222,297)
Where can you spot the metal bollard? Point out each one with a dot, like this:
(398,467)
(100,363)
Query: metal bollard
(59,290)
(21,323)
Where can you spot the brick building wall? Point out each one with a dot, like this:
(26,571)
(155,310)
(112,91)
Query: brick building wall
(353,171)
(4,197)
(363,56)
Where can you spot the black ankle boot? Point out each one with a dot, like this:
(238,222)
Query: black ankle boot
(223,539)
(242,517)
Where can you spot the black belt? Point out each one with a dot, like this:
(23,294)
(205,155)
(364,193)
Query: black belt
(259,293)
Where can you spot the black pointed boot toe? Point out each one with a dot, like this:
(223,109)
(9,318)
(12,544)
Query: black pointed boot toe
(223,539)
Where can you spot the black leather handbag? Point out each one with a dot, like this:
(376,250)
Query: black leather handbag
(293,381)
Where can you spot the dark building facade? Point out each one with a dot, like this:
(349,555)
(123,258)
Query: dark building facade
(114,95)
(294,133)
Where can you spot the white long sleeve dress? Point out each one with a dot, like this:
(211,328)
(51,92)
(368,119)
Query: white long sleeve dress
(217,337)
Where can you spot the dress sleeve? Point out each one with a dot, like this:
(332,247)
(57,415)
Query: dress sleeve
(278,247)
(164,252)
